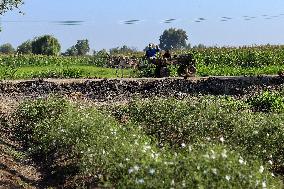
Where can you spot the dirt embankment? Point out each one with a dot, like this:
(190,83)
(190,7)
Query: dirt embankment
(115,90)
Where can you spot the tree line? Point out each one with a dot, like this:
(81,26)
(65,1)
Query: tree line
(171,39)
(46,45)
(49,45)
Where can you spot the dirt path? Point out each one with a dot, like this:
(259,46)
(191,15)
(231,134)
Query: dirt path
(16,170)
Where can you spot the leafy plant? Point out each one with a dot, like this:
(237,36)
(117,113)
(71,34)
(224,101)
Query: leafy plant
(112,155)
(267,101)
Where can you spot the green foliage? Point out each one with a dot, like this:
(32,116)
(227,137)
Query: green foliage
(245,57)
(29,114)
(7,49)
(25,47)
(123,50)
(119,156)
(80,49)
(267,101)
(34,66)
(210,61)
(8,71)
(46,45)
(72,51)
(211,120)
(173,39)
(9,5)
(146,69)
(43,60)
(199,46)
(241,61)
(60,73)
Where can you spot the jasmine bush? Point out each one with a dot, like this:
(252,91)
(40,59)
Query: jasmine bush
(211,120)
(110,154)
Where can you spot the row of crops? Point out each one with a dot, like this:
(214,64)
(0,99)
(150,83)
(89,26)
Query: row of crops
(199,142)
(246,57)
(210,61)
(41,60)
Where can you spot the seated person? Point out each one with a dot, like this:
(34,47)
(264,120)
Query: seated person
(167,55)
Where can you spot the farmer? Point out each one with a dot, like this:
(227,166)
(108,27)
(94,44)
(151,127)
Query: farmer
(167,55)
(152,51)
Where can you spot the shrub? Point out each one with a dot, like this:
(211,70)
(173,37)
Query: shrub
(30,113)
(211,121)
(121,156)
(46,45)
(59,73)
(7,49)
(25,47)
(267,101)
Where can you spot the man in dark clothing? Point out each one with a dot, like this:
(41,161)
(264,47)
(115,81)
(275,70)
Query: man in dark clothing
(167,55)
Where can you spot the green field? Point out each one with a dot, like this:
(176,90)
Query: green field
(73,71)
(257,60)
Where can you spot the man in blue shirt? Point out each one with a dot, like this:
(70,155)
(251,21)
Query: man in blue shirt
(151,51)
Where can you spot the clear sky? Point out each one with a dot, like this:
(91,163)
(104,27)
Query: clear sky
(253,21)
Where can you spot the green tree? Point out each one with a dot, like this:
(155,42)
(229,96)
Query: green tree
(46,45)
(25,47)
(7,48)
(6,5)
(122,50)
(72,51)
(102,53)
(173,39)
(199,46)
(82,47)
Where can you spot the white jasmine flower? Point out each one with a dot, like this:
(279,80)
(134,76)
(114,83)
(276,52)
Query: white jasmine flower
(261,169)
(136,168)
(140,181)
(228,178)
(263,184)
(130,170)
(241,161)
(224,154)
(152,171)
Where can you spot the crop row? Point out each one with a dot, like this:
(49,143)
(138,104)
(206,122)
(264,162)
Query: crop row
(200,142)
(244,57)
(40,60)
(257,56)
